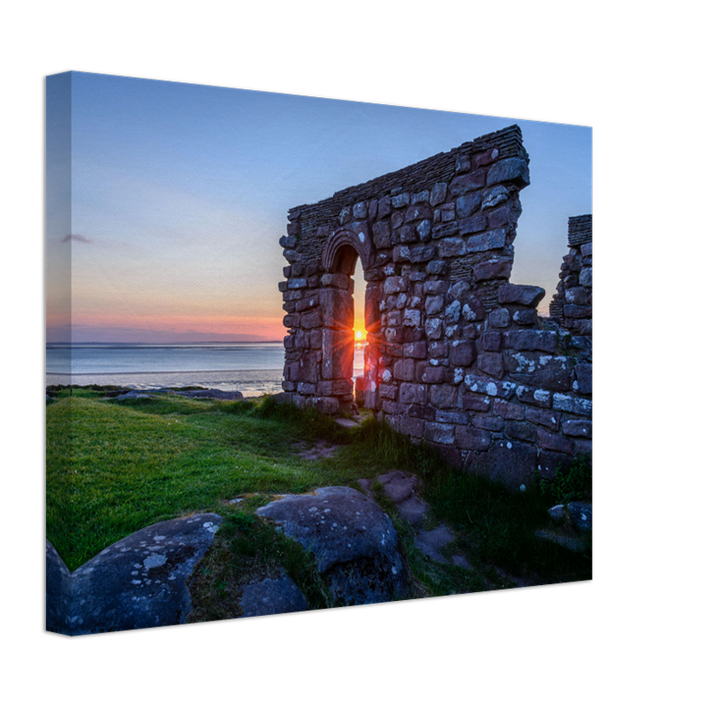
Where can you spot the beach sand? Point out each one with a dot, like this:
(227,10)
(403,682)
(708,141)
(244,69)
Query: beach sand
(249,383)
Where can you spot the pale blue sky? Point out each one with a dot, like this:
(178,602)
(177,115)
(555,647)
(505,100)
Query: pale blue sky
(180,193)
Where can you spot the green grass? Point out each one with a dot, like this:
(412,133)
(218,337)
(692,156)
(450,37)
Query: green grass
(114,467)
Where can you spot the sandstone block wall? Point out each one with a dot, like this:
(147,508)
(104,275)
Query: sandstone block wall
(572,303)
(457,355)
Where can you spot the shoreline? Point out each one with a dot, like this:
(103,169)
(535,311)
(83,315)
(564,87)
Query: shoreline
(251,383)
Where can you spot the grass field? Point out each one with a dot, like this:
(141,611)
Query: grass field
(114,467)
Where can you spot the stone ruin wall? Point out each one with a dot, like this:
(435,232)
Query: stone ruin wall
(457,356)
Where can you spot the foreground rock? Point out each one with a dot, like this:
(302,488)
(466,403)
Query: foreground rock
(574,529)
(278,595)
(352,539)
(139,582)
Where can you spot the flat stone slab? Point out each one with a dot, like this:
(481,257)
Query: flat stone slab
(352,539)
(138,582)
(401,488)
(430,542)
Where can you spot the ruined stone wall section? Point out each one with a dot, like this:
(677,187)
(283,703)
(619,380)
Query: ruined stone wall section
(456,356)
(572,303)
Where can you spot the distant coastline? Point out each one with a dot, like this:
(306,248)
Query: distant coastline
(157,343)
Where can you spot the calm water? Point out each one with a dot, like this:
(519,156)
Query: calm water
(253,369)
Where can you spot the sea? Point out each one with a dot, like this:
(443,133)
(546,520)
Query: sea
(253,369)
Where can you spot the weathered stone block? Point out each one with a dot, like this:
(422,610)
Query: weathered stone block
(335,280)
(387,392)
(291,320)
(569,403)
(306,388)
(466,205)
(508,411)
(577,295)
(440,432)
(408,234)
(360,210)
(445,230)
(485,158)
(424,230)
(384,207)
(422,254)
(573,311)
(473,401)
(462,353)
(521,430)
(381,234)
(472,438)
(427,373)
(401,254)
(473,310)
(489,341)
(451,247)
(546,418)
(486,241)
(513,169)
(416,349)
(337,353)
(474,224)
(311,320)
(489,422)
(292,256)
(297,283)
(404,370)
(530,340)
(434,304)
(411,426)
(400,201)
(451,417)
(395,284)
(437,267)
(537,369)
(583,378)
(494,196)
(490,363)
(499,318)
(433,328)
(492,270)
(438,193)
(412,318)
(577,428)
(467,182)
(337,308)
(494,388)
(443,396)
(555,443)
(499,217)
(585,278)
(525,317)
(413,393)
(526,295)
(417,213)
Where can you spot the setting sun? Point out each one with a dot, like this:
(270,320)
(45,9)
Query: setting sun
(359,335)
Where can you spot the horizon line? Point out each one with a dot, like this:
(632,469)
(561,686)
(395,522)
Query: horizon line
(157,343)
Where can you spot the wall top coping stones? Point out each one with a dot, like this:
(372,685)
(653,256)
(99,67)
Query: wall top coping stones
(424,174)
(579,230)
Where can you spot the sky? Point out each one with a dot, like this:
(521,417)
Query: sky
(167,230)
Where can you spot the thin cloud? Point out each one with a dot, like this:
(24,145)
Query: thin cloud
(75,237)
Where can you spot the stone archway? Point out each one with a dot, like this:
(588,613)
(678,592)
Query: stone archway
(346,253)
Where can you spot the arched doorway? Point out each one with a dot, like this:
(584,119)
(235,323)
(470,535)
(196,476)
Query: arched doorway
(349,360)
